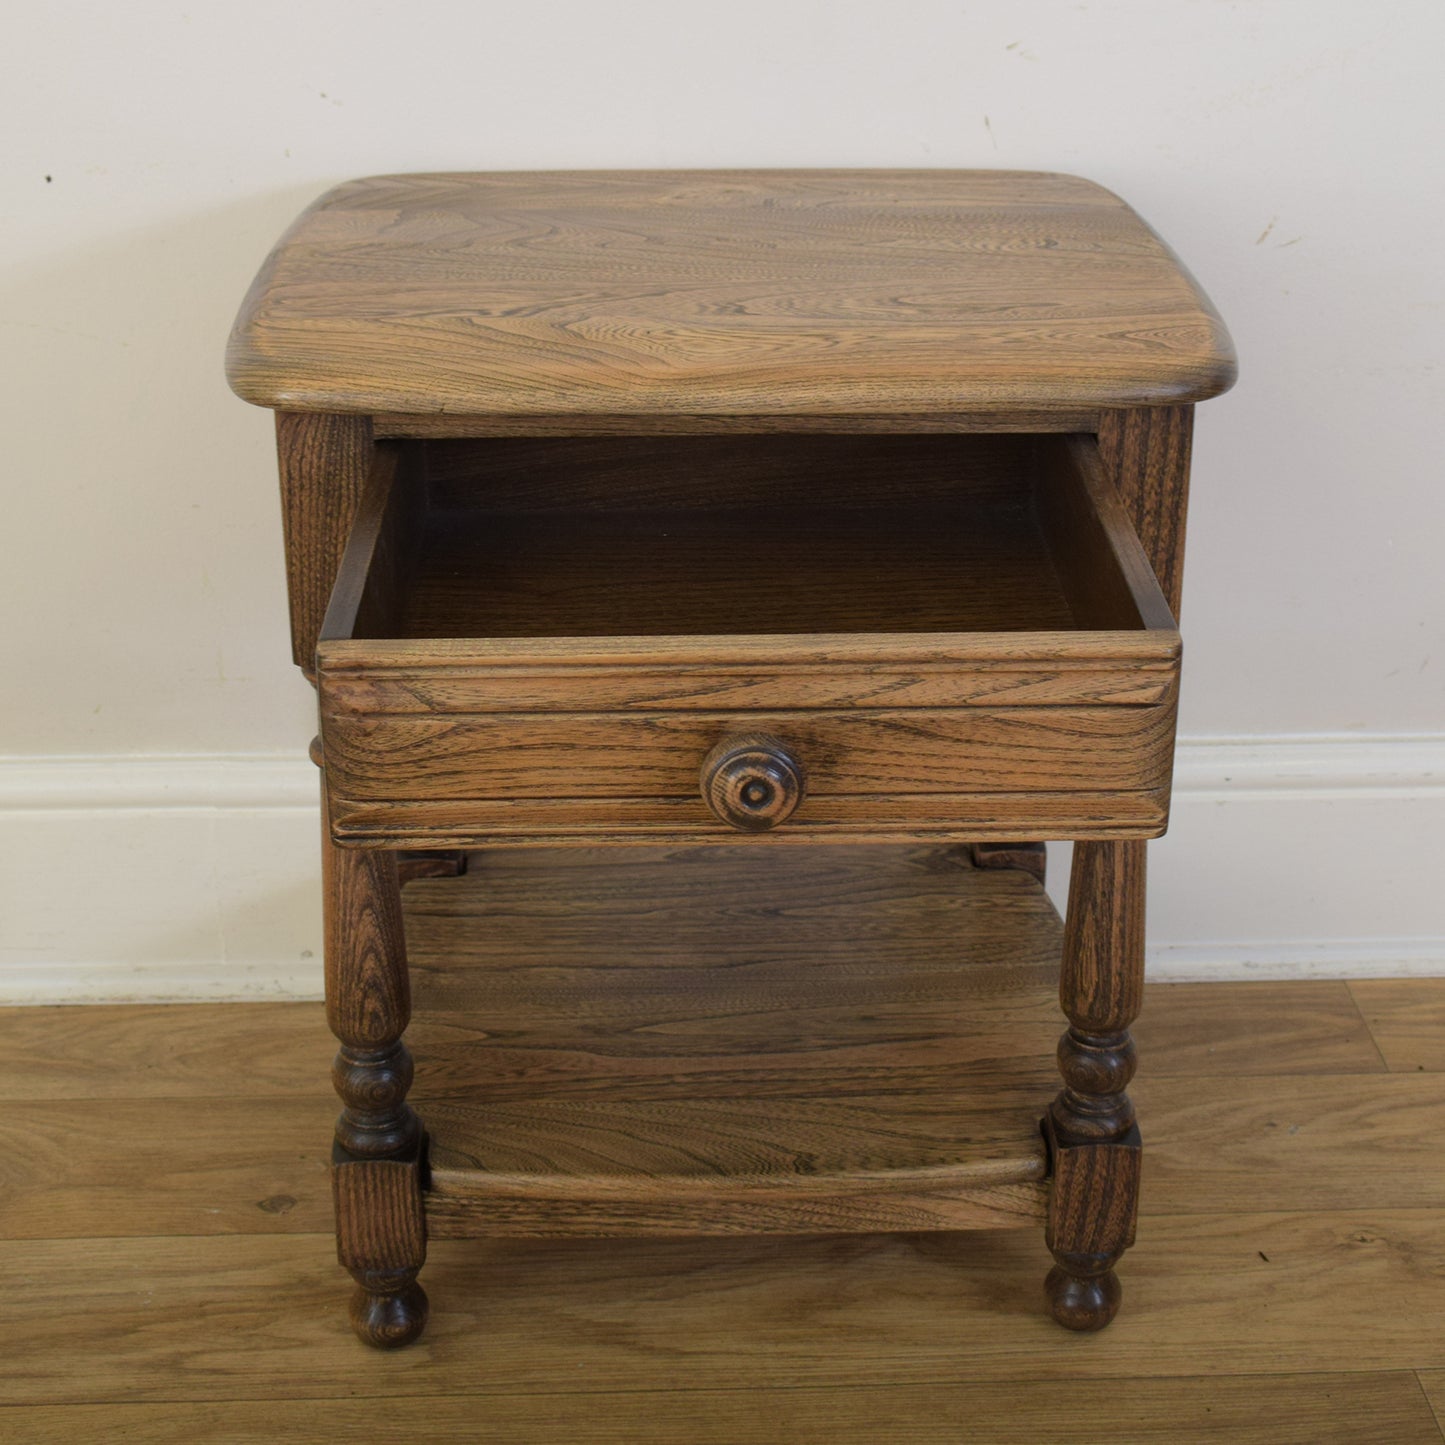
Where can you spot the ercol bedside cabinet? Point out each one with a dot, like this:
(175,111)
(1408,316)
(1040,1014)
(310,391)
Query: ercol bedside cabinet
(714,513)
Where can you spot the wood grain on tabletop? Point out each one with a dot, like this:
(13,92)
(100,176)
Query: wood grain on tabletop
(725,292)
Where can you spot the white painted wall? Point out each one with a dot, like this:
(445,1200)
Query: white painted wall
(1289,149)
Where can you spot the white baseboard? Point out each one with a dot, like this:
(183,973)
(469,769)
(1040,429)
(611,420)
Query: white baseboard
(130,879)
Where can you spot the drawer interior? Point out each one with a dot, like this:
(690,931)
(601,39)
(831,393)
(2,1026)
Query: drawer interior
(700,536)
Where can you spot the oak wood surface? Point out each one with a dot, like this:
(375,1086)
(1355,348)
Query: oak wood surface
(1094,1142)
(853,818)
(103,1050)
(235,1337)
(189,1164)
(323,463)
(159,1051)
(1147,453)
(179,1165)
(727,292)
(752,535)
(1257,1028)
(477,675)
(1433,1382)
(1282,1144)
(414,739)
(233,1317)
(456,757)
(1385,1408)
(566,475)
(705,1041)
(1407,1019)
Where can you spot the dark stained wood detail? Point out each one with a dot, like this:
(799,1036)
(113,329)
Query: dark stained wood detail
(381,1224)
(376,1121)
(853,292)
(752,782)
(1146,450)
(1093,1204)
(412,864)
(1090,1124)
(1030,858)
(1083,1175)
(381,1242)
(562,476)
(1102,981)
(368,1001)
(323,461)
(368,995)
(376,1163)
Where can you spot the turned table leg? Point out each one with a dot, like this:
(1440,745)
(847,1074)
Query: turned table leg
(1090,1125)
(377,1158)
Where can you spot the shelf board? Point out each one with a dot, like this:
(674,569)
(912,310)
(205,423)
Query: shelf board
(746,1039)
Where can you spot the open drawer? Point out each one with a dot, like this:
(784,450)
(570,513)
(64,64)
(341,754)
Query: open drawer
(680,638)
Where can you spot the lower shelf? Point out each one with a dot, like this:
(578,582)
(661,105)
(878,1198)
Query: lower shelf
(720,1040)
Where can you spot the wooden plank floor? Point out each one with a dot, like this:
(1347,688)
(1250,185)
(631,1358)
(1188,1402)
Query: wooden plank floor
(168,1274)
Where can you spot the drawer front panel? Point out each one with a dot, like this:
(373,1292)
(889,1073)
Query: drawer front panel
(861,766)
(443,677)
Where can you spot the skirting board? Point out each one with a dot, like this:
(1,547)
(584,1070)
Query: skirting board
(144,879)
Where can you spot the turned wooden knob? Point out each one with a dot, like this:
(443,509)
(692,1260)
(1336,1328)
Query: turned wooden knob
(752,782)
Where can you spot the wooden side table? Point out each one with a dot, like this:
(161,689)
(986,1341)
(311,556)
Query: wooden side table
(732,510)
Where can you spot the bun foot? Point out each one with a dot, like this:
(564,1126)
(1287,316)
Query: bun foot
(1083,1304)
(389,1321)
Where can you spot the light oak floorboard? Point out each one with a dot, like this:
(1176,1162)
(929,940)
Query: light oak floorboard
(1291,1142)
(154,1165)
(1277,1241)
(1364,1409)
(175,1166)
(165,1166)
(150,1167)
(1433,1383)
(1407,1018)
(1253,1028)
(165,1051)
(235,1317)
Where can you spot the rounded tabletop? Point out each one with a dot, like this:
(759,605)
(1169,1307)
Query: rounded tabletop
(716,293)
